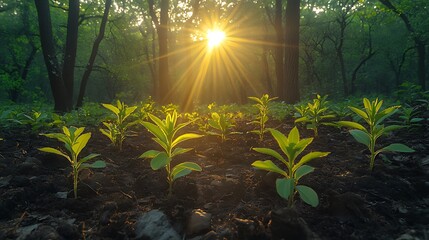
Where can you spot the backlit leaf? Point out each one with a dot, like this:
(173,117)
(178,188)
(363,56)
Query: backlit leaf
(270,152)
(268,165)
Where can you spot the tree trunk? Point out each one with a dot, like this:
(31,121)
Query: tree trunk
(291,64)
(54,73)
(164,91)
(278,55)
(94,51)
(70,51)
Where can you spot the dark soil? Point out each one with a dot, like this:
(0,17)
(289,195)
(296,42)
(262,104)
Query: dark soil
(389,203)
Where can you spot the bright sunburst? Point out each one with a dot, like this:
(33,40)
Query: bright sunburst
(215,37)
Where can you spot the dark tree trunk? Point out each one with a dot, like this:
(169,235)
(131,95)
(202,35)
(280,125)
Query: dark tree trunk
(54,73)
(70,51)
(163,88)
(279,54)
(94,51)
(164,91)
(291,64)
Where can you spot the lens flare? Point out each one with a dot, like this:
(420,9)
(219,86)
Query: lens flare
(215,38)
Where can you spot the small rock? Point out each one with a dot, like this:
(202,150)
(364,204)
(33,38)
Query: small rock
(23,232)
(154,225)
(61,195)
(198,222)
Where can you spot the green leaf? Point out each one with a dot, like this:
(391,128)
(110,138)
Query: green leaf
(268,165)
(96,164)
(301,119)
(160,161)
(155,130)
(270,152)
(81,142)
(350,124)
(185,137)
(112,108)
(359,112)
(302,171)
(308,157)
(397,147)
(178,151)
(360,136)
(284,187)
(184,169)
(280,138)
(89,157)
(308,195)
(293,136)
(392,128)
(150,154)
(54,151)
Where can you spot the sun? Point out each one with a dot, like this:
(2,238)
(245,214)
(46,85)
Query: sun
(215,37)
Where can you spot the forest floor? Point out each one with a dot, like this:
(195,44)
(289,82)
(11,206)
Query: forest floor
(227,200)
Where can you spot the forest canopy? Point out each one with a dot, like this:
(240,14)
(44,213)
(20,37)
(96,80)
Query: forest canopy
(67,52)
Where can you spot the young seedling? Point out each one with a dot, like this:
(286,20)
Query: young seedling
(262,117)
(117,130)
(291,146)
(374,117)
(74,142)
(314,114)
(165,135)
(409,118)
(222,122)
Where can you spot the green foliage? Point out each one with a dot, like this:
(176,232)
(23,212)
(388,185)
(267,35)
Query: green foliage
(280,110)
(222,122)
(262,117)
(37,120)
(291,146)
(117,130)
(147,107)
(169,109)
(74,142)
(201,121)
(314,114)
(374,117)
(411,94)
(165,135)
(409,118)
